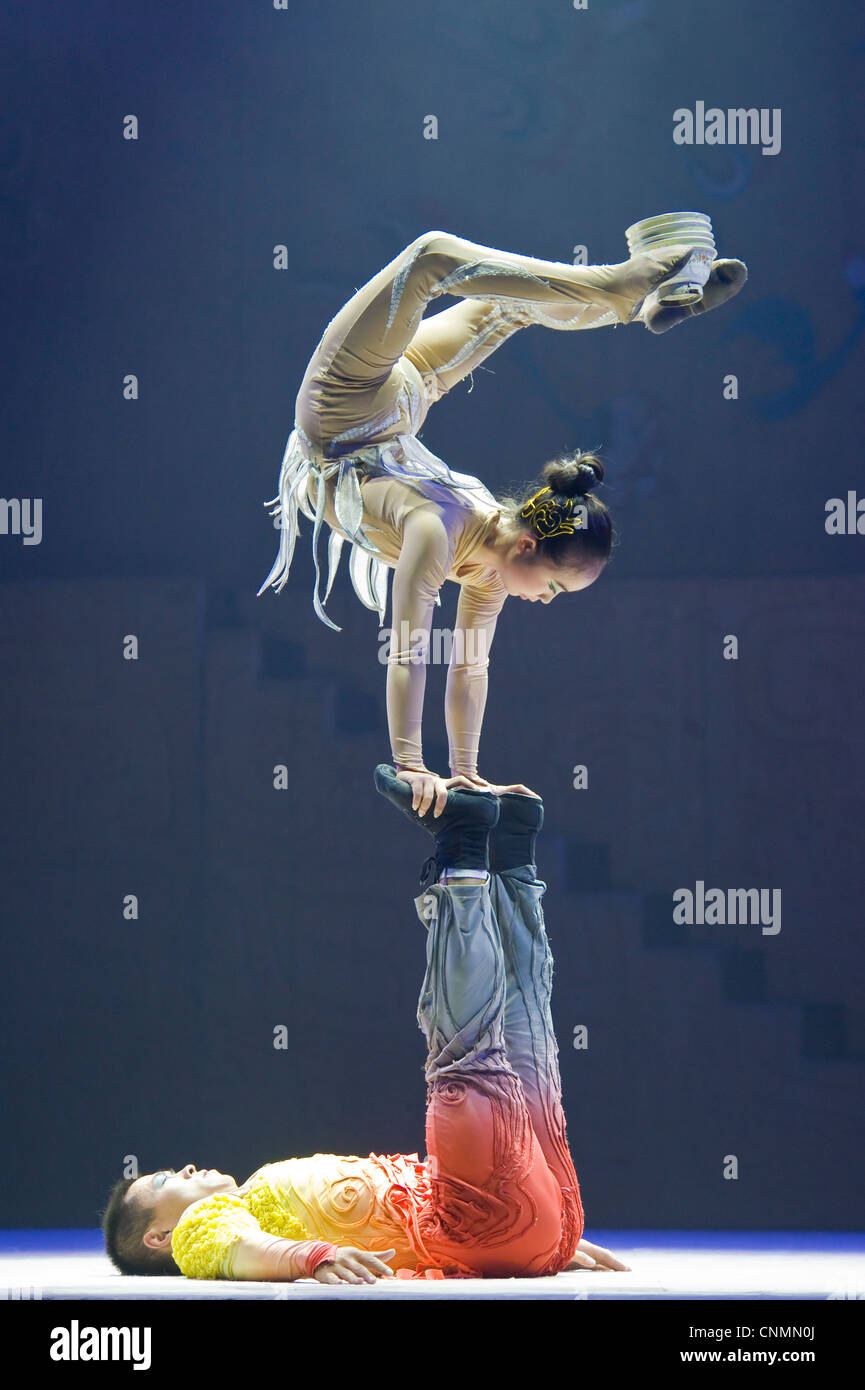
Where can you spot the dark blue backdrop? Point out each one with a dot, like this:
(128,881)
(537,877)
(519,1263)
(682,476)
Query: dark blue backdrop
(258,127)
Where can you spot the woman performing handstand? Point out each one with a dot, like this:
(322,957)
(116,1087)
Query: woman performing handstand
(354,462)
(497,1194)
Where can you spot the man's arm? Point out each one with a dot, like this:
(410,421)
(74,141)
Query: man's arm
(272,1258)
(262,1256)
(218,1238)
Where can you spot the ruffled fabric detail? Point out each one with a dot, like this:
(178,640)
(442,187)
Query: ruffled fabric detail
(401,457)
(410,1195)
(271,1214)
(206,1231)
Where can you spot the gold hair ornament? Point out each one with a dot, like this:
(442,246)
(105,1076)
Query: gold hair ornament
(549,518)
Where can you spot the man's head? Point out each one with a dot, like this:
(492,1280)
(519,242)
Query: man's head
(142,1213)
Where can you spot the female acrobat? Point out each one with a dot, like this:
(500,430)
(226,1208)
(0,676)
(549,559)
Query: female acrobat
(354,462)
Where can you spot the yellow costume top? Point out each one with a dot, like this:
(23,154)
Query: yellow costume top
(316,1203)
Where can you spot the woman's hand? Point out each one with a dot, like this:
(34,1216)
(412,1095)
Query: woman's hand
(516,787)
(483,785)
(478,782)
(353,1267)
(594,1257)
(428,788)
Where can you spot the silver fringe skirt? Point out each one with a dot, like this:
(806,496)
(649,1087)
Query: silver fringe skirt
(402,457)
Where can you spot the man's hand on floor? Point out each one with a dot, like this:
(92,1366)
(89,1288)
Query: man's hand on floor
(593,1257)
(354,1267)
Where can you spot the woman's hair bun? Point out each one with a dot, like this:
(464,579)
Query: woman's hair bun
(574,475)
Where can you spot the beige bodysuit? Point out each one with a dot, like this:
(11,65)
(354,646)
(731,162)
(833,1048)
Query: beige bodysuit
(354,463)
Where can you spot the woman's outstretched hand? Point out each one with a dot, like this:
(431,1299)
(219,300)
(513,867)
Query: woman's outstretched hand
(428,788)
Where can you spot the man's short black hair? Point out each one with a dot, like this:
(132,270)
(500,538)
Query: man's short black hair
(124,1222)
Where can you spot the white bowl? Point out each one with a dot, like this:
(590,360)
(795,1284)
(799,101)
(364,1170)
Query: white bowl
(669,218)
(676,229)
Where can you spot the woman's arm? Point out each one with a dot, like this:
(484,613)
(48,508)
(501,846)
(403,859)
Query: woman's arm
(466,692)
(420,572)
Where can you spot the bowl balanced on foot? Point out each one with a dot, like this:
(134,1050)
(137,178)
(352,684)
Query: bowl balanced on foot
(703,282)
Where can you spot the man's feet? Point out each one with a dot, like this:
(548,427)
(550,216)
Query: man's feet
(726,279)
(461,833)
(513,838)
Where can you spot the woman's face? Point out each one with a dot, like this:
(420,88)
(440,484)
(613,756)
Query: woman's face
(528,576)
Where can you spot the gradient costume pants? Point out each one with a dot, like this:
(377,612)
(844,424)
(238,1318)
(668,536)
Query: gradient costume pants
(506,1199)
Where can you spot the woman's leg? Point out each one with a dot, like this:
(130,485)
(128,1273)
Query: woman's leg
(448,346)
(352,380)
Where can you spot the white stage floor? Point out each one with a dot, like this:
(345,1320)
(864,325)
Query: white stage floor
(664,1265)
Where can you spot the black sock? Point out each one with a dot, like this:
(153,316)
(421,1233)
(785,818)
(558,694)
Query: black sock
(512,842)
(461,833)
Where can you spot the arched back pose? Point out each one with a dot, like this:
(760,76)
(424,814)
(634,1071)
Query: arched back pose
(354,462)
(497,1193)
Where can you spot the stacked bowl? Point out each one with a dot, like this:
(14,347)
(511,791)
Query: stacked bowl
(677,229)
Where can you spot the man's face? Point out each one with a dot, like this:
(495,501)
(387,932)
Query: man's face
(170,1193)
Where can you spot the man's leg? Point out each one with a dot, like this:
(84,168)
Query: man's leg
(496,1208)
(516,893)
